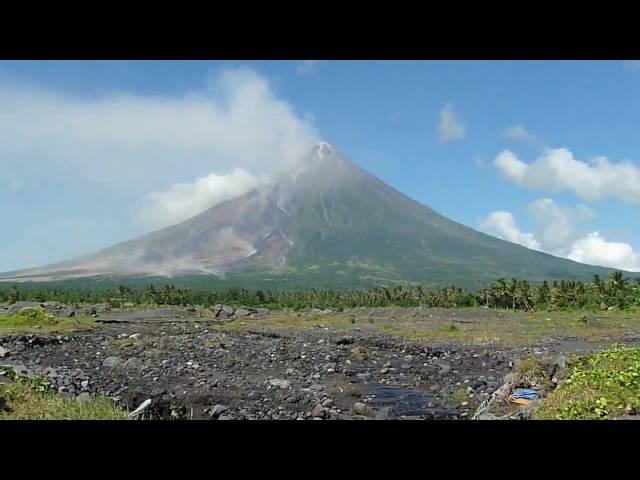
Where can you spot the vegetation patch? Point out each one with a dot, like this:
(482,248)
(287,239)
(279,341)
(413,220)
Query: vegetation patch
(529,373)
(460,396)
(29,400)
(36,319)
(603,385)
(124,342)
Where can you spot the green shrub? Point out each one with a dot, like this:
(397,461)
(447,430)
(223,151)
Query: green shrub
(31,316)
(601,386)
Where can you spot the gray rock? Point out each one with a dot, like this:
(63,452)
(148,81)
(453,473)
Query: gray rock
(445,368)
(277,382)
(486,416)
(385,413)
(68,312)
(224,311)
(158,391)
(84,397)
(242,312)
(53,307)
(363,409)
(15,308)
(316,387)
(217,410)
(4,352)
(226,417)
(318,412)
(133,363)
(84,384)
(112,362)
(88,310)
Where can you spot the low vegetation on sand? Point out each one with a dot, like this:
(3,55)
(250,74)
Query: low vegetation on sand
(603,385)
(36,319)
(23,399)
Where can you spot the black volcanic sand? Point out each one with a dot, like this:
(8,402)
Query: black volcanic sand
(186,366)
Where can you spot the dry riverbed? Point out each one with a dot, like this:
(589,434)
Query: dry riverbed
(359,364)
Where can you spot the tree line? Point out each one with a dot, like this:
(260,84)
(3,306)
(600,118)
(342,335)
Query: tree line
(615,291)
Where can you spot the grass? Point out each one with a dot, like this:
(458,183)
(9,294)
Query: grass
(28,400)
(36,320)
(478,326)
(601,386)
(460,396)
(124,342)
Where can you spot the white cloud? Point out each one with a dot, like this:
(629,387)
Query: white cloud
(555,228)
(184,200)
(557,170)
(450,129)
(556,233)
(596,250)
(140,143)
(235,121)
(307,67)
(502,225)
(520,134)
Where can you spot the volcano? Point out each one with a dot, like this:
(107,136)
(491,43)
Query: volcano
(326,223)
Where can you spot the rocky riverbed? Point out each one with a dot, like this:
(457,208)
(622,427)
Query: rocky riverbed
(192,368)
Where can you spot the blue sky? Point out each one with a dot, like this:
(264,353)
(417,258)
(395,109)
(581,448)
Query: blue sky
(93,153)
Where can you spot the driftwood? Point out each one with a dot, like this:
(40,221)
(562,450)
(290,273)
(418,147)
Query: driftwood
(141,409)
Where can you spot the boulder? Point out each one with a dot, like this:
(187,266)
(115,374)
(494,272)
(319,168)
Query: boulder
(112,362)
(217,410)
(318,411)
(84,397)
(223,311)
(277,382)
(53,307)
(242,312)
(385,413)
(363,409)
(16,307)
(133,363)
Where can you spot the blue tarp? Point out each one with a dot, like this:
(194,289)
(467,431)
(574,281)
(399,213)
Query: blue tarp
(525,393)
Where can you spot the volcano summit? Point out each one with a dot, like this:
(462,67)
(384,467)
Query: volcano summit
(325,223)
